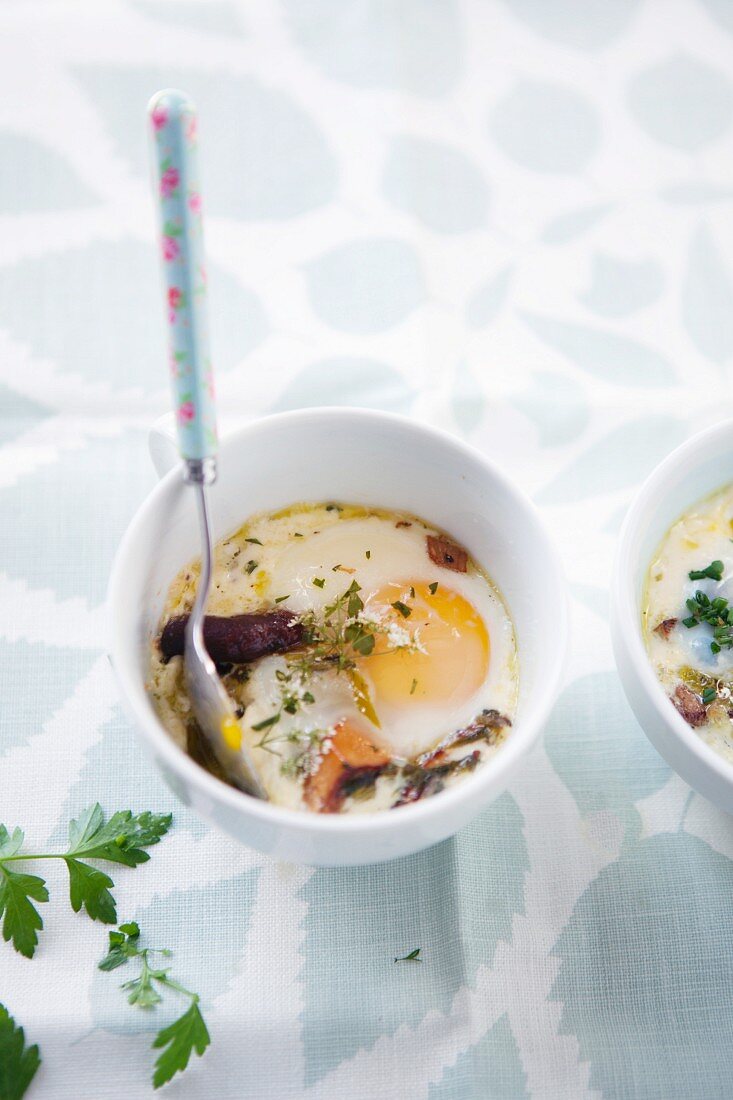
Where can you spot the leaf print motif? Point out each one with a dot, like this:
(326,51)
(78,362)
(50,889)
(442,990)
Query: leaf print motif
(495,1059)
(78,486)
(347,380)
(24,712)
(575,223)
(48,181)
(469,401)
(114,282)
(265,155)
(597,748)
(225,908)
(641,960)
(487,300)
(19,413)
(603,353)
(623,457)
(557,406)
(546,127)
(366,285)
(477,885)
(118,762)
(681,102)
(581,24)
(620,287)
(442,187)
(358,44)
(707,299)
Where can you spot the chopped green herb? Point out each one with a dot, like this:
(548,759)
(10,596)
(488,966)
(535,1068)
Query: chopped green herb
(714,571)
(412,593)
(319,581)
(709,696)
(266,723)
(279,599)
(18,1063)
(414,956)
(297,535)
(717,614)
(403,609)
(256,542)
(414,685)
(119,840)
(251,565)
(186,1034)
(369,553)
(334,508)
(433,588)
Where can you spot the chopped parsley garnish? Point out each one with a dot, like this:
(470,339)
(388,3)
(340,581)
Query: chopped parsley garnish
(412,688)
(119,840)
(251,566)
(279,599)
(403,609)
(188,1033)
(412,593)
(297,535)
(433,588)
(266,723)
(714,571)
(709,695)
(717,614)
(413,956)
(319,581)
(369,553)
(256,542)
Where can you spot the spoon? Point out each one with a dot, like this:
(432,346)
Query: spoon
(175,171)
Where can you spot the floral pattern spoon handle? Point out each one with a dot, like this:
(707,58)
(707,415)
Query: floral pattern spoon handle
(175,160)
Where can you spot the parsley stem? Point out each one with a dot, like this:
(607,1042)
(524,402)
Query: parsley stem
(179,988)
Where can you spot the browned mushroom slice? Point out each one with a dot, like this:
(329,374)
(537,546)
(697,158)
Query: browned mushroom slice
(485,727)
(237,638)
(665,628)
(446,553)
(690,706)
(351,758)
(427,780)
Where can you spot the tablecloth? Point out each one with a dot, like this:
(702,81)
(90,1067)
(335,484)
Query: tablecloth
(509,218)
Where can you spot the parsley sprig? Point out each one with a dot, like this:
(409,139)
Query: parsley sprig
(119,840)
(715,613)
(412,957)
(186,1034)
(18,1063)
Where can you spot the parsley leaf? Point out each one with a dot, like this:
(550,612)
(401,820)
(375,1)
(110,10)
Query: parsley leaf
(119,840)
(186,1034)
(414,956)
(403,609)
(433,588)
(18,1063)
(22,920)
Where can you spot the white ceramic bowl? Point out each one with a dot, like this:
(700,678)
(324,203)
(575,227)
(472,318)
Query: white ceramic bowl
(697,468)
(369,458)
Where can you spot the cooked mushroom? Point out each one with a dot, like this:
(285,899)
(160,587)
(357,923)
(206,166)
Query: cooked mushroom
(237,638)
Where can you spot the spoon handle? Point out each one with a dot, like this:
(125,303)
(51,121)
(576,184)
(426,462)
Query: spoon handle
(173,121)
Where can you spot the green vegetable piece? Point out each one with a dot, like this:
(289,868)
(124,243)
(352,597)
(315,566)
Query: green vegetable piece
(18,1063)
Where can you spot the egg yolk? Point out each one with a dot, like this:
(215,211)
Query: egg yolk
(449,654)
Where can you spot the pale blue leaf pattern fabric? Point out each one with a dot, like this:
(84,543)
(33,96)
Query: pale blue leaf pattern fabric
(546,127)
(707,299)
(507,218)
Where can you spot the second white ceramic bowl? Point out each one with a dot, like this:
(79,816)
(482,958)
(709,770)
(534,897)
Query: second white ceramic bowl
(368,458)
(696,469)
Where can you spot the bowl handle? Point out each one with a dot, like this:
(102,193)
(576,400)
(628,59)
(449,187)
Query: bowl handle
(163,445)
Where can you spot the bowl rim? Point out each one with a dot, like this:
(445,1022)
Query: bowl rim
(623,595)
(523,737)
